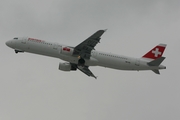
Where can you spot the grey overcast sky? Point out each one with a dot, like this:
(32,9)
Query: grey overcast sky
(32,87)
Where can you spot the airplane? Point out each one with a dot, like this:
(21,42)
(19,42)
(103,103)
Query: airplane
(84,55)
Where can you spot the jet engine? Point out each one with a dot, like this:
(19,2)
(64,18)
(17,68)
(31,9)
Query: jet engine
(66,67)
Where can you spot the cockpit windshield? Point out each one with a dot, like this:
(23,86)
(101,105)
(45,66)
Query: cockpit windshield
(15,38)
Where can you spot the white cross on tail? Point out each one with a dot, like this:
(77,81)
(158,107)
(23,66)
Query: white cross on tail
(156,52)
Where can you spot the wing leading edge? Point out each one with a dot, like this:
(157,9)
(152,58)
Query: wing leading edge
(84,49)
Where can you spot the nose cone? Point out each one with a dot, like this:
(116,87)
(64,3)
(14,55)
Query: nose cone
(9,43)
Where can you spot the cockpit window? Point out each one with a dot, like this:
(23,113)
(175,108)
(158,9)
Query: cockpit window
(15,38)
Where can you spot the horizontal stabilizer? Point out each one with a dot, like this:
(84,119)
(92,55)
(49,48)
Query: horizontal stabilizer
(156,71)
(156,62)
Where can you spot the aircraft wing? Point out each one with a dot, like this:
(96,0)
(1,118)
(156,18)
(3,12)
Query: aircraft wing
(84,69)
(84,49)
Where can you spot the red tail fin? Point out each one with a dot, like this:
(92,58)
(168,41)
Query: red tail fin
(156,52)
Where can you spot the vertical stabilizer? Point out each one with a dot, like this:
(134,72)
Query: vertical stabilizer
(156,52)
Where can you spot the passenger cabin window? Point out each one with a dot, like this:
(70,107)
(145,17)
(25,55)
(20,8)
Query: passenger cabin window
(16,38)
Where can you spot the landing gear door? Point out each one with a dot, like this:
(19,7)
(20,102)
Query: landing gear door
(55,46)
(24,45)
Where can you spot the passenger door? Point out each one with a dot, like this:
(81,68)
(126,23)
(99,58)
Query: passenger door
(137,62)
(24,43)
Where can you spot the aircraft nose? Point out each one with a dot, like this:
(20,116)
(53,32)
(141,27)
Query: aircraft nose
(9,43)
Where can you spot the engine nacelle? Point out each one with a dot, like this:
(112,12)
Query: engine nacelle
(66,67)
(67,50)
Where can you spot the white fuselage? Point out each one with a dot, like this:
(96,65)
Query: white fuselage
(97,58)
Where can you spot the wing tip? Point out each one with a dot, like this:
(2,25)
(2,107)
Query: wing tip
(105,30)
